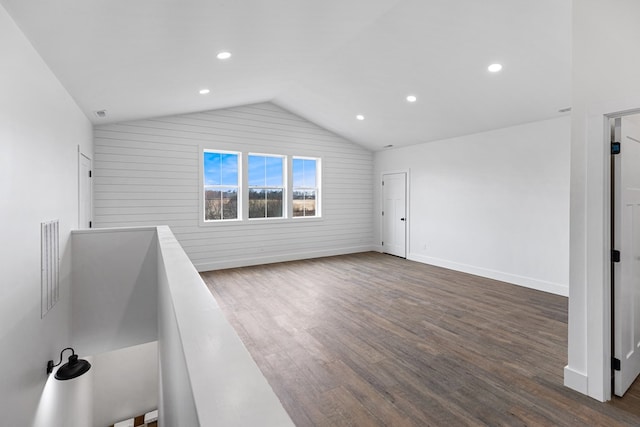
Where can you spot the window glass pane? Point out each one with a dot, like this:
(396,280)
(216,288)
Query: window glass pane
(304,173)
(220,204)
(229,164)
(266,203)
(265,171)
(212,168)
(274,203)
(212,205)
(257,203)
(220,169)
(309,167)
(304,203)
(221,180)
(274,168)
(297,172)
(230,204)
(257,171)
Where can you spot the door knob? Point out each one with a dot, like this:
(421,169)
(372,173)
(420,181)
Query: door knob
(401,219)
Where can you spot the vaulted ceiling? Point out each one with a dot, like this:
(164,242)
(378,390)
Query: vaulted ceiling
(327,61)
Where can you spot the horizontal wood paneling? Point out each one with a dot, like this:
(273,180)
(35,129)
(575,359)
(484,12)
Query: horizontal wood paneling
(147,173)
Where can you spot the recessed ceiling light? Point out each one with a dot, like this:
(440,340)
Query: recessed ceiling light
(224,55)
(101,113)
(564,110)
(411,98)
(360,117)
(494,68)
(204,91)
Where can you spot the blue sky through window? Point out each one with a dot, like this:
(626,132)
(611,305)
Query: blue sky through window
(220,169)
(265,171)
(304,173)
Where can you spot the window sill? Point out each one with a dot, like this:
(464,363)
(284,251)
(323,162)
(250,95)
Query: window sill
(236,222)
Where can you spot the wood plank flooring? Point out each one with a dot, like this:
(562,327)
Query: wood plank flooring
(375,340)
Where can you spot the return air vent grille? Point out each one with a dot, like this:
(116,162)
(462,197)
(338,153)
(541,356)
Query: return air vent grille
(50,264)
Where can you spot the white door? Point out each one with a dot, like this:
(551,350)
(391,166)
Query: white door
(84,191)
(626,282)
(394,214)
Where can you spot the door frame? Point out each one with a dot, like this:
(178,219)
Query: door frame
(590,256)
(613,244)
(80,156)
(407,205)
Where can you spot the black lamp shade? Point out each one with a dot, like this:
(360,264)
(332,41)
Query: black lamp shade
(72,369)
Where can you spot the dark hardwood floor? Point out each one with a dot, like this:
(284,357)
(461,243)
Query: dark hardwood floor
(374,340)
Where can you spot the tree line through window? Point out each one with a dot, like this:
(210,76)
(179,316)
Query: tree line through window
(266,185)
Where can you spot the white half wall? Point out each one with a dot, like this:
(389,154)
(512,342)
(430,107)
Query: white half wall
(147,173)
(41,128)
(125,383)
(115,292)
(207,376)
(494,204)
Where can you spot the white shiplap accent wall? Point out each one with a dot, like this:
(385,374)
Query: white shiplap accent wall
(147,173)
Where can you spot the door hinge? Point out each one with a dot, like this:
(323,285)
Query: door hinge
(615,364)
(90,224)
(615,255)
(382,243)
(382,213)
(89,174)
(615,148)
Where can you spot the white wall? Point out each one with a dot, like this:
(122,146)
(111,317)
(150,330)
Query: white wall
(605,80)
(40,130)
(495,204)
(114,283)
(147,173)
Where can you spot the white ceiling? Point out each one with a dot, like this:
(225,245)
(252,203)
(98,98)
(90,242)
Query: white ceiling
(324,60)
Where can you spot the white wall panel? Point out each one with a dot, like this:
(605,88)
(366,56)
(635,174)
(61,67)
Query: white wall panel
(495,204)
(147,173)
(114,282)
(41,129)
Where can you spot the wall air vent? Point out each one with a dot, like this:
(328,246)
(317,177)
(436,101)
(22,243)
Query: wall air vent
(50,265)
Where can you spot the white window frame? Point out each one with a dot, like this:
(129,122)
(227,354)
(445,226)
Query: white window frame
(203,188)
(317,188)
(284,186)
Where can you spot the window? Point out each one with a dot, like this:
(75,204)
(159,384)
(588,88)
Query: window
(266,189)
(305,189)
(258,186)
(221,184)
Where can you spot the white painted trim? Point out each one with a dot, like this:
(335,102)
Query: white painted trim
(575,380)
(246,262)
(112,229)
(86,156)
(598,246)
(540,285)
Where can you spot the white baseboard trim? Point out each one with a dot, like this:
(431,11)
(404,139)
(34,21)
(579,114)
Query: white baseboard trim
(576,380)
(246,262)
(528,282)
